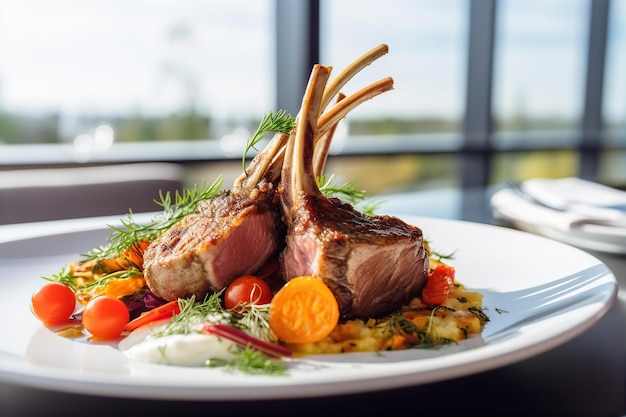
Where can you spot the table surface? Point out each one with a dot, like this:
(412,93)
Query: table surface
(584,377)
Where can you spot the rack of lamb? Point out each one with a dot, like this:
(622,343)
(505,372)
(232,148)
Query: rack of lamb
(372,264)
(239,230)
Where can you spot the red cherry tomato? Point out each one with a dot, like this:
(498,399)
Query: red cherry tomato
(105,317)
(53,304)
(439,285)
(247,289)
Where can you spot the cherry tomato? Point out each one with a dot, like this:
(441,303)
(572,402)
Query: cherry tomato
(439,285)
(53,303)
(247,289)
(105,317)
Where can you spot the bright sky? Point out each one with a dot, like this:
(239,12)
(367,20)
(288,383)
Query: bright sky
(156,56)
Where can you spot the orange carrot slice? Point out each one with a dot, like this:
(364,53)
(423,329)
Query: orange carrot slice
(303,311)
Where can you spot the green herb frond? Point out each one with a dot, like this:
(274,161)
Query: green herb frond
(192,312)
(347,192)
(280,122)
(428,338)
(64,277)
(256,322)
(131,232)
(480,314)
(369,207)
(441,256)
(250,361)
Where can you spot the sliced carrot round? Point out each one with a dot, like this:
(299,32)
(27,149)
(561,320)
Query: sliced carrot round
(303,311)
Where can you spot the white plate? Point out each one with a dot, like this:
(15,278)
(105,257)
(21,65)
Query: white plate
(538,293)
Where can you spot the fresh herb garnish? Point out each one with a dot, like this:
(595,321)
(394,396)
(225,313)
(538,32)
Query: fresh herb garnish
(272,122)
(480,314)
(441,256)
(396,323)
(255,321)
(347,192)
(250,361)
(247,359)
(184,203)
(64,277)
(193,313)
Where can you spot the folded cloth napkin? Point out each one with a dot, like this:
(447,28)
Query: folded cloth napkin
(568,209)
(568,193)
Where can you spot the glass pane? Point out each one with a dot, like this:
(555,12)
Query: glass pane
(539,66)
(525,165)
(378,175)
(427,54)
(612,168)
(427,59)
(615,78)
(141,70)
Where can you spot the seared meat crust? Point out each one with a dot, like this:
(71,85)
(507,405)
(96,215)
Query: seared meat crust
(373,264)
(228,236)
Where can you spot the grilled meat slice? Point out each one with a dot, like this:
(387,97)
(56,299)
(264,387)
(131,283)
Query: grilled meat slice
(228,236)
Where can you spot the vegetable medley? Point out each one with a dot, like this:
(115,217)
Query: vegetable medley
(264,317)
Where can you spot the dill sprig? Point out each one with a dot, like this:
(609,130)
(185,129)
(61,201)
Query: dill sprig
(250,361)
(347,192)
(442,256)
(64,277)
(192,313)
(256,321)
(280,121)
(131,232)
(480,314)
(396,323)
(369,207)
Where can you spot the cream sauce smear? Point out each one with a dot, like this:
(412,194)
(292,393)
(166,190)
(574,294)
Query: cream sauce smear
(192,349)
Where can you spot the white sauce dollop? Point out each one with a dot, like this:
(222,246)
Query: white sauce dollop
(193,349)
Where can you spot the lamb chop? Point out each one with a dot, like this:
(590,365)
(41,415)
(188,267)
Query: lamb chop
(236,232)
(372,264)
(229,235)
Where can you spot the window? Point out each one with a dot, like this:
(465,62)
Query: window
(82,71)
(426,58)
(612,168)
(615,78)
(539,65)
(427,53)
(95,82)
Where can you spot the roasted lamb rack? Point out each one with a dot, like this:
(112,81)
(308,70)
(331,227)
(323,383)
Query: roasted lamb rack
(372,264)
(236,232)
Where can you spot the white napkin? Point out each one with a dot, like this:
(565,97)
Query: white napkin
(584,212)
(569,193)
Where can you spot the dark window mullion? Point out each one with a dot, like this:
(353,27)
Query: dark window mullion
(297,50)
(477,126)
(594,88)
